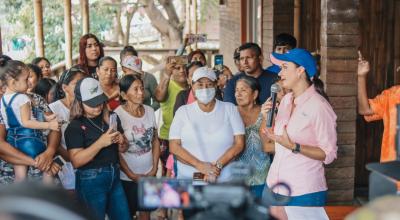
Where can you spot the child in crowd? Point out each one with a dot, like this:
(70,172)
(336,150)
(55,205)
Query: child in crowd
(23,131)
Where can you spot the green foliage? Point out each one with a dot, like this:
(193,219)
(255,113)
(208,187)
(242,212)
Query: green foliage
(19,14)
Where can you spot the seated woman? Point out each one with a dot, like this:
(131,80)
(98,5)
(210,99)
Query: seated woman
(246,93)
(208,134)
(304,132)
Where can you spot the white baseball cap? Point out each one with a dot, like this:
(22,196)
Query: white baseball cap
(89,91)
(204,72)
(132,62)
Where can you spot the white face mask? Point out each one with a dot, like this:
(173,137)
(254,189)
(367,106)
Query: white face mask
(205,96)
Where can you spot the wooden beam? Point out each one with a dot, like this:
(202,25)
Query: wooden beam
(38,13)
(297,18)
(85,16)
(68,33)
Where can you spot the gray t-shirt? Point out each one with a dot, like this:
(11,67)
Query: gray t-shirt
(150,85)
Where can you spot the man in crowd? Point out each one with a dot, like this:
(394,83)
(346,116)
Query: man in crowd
(251,64)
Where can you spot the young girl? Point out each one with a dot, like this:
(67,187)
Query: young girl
(22,129)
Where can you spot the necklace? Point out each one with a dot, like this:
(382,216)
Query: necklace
(94,124)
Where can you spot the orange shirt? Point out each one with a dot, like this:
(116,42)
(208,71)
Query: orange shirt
(384,107)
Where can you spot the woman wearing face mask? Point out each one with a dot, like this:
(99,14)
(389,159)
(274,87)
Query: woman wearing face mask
(304,132)
(208,134)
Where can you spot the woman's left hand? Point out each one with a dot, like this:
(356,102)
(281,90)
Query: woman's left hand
(283,139)
(152,172)
(122,143)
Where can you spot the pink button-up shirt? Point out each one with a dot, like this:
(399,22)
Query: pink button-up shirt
(312,123)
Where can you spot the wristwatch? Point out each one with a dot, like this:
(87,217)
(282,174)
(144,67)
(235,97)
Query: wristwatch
(219,165)
(296,149)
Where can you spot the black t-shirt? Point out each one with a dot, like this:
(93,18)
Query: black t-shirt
(81,133)
(92,72)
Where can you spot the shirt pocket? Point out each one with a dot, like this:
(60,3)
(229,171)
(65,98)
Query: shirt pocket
(299,124)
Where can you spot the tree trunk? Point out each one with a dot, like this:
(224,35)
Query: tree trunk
(85,16)
(68,33)
(38,12)
(129,16)
(171,34)
(118,34)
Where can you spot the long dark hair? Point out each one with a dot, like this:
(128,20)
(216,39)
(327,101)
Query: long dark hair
(37,60)
(35,69)
(253,84)
(83,62)
(66,77)
(43,87)
(318,85)
(125,83)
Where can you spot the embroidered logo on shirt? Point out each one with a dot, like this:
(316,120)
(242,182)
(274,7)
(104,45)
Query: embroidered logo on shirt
(83,127)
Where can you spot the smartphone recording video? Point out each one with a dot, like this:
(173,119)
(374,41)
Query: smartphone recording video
(113,122)
(219,62)
(179,60)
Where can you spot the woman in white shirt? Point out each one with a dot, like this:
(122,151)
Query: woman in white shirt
(208,134)
(139,124)
(64,97)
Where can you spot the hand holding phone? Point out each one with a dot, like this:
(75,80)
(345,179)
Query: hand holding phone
(178,60)
(113,122)
(59,160)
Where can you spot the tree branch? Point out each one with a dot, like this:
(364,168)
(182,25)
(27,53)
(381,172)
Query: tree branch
(171,12)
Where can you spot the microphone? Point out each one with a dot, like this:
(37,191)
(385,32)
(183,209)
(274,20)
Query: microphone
(274,92)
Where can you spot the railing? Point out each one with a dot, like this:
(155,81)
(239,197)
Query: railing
(114,52)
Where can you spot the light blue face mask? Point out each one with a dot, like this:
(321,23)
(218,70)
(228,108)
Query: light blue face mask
(205,96)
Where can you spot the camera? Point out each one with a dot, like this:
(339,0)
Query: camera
(228,200)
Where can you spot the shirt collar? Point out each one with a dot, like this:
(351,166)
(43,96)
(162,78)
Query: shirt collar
(310,91)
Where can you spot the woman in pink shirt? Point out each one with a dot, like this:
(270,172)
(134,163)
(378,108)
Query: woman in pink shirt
(304,131)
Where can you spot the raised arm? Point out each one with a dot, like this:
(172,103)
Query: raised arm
(363,68)
(161,92)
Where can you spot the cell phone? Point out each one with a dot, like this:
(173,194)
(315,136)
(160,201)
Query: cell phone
(198,179)
(59,160)
(179,60)
(219,62)
(192,38)
(113,122)
(165,193)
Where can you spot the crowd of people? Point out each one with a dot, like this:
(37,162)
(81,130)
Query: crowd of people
(196,121)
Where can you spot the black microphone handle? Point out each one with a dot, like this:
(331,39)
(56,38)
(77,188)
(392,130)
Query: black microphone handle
(271,113)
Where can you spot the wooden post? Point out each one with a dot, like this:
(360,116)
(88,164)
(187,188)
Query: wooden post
(85,16)
(195,20)
(297,17)
(38,12)
(1,44)
(187,18)
(68,33)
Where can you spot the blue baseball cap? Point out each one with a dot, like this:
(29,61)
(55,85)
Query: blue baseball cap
(274,69)
(298,56)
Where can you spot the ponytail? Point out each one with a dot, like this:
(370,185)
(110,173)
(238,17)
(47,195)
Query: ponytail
(319,86)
